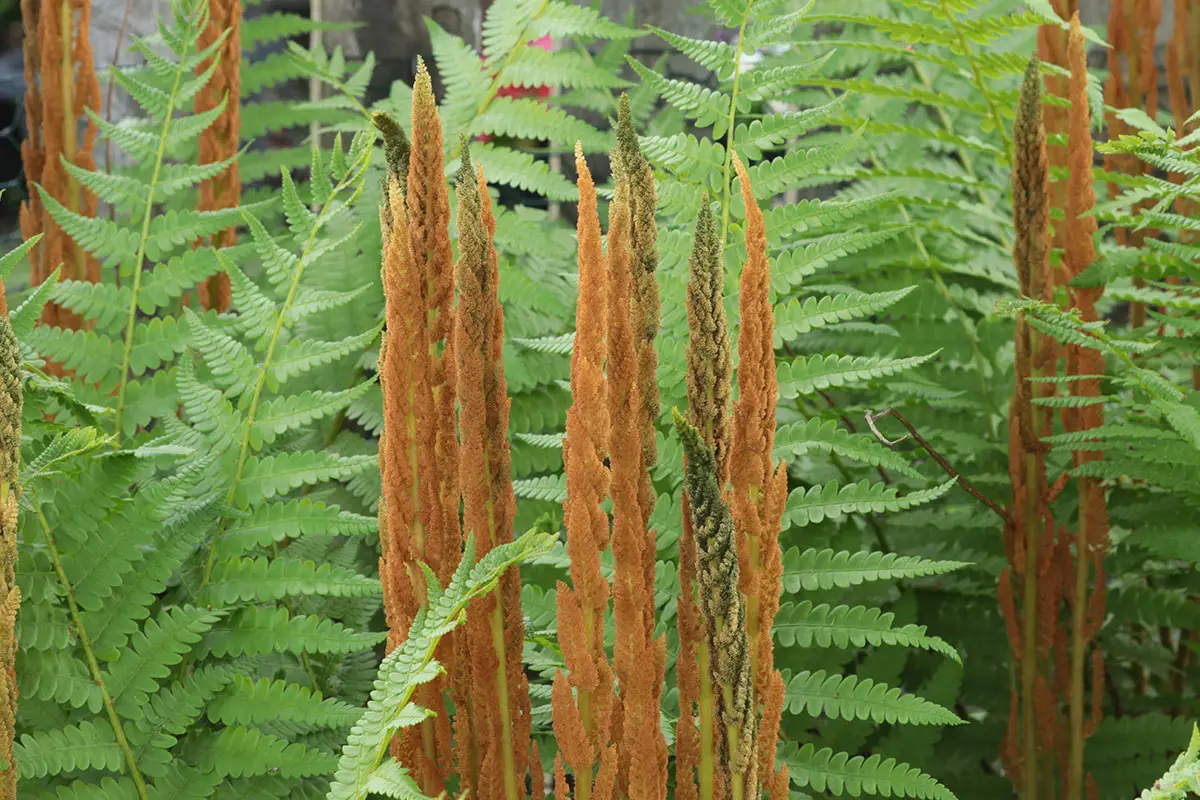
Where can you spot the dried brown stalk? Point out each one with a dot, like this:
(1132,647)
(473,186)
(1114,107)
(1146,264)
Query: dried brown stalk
(1091,541)
(639,658)
(220,141)
(873,417)
(59,63)
(495,626)
(759,485)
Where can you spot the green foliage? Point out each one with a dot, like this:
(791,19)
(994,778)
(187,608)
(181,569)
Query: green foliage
(198,537)
(363,768)
(1183,778)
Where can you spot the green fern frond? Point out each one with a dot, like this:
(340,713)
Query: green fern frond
(814,570)
(850,698)
(804,375)
(842,774)
(804,624)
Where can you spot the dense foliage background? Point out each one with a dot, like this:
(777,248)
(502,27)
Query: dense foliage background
(198,551)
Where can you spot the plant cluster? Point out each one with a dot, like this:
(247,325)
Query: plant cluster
(333,470)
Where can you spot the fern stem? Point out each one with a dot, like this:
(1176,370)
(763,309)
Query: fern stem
(85,642)
(494,88)
(272,344)
(977,78)
(143,240)
(1079,638)
(1029,656)
(708,752)
(727,174)
(968,167)
(985,392)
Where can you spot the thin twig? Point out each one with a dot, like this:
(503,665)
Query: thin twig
(850,424)
(872,417)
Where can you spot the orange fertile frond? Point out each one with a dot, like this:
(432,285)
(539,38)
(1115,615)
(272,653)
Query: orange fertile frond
(63,39)
(759,485)
(220,141)
(1081,192)
(582,607)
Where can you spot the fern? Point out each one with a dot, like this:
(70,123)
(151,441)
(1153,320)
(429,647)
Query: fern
(188,582)
(362,767)
(119,349)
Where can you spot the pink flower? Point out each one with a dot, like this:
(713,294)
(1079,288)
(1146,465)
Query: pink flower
(529,91)
(538,92)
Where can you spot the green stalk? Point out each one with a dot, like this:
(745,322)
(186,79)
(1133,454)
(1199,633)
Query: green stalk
(968,167)
(1029,658)
(733,734)
(737,780)
(147,216)
(85,642)
(977,78)
(1078,652)
(510,767)
(727,174)
(494,88)
(272,345)
(708,752)
(980,359)
(583,783)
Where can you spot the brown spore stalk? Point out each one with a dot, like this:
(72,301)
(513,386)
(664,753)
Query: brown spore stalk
(59,69)
(220,141)
(495,627)
(1091,540)
(409,509)
(1028,589)
(709,384)
(639,658)
(759,484)
(583,695)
